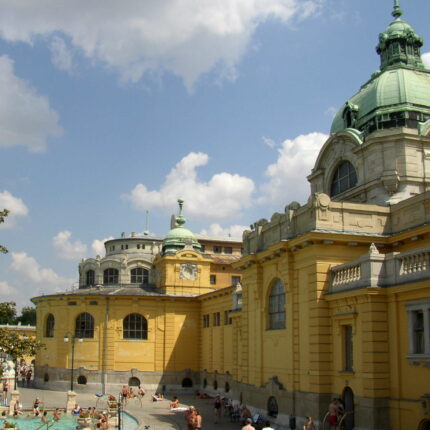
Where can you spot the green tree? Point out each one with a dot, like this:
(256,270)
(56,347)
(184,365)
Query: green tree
(18,346)
(28,316)
(7,313)
(3,214)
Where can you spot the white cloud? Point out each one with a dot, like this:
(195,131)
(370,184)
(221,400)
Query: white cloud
(9,293)
(287,177)
(41,278)
(98,246)
(331,111)
(61,55)
(25,117)
(225,195)
(216,230)
(66,249)
(5,289)
(426,59)
(186,37)
(269,142)
(15,205)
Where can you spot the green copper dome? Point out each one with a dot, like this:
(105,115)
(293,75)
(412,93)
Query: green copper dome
(179,237)
(399,94)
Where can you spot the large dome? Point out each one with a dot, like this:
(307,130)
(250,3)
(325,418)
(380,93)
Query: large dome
(398,95)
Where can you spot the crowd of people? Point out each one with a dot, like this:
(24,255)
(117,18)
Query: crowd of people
(25,373)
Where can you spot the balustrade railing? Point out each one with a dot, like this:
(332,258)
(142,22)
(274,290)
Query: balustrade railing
(381,270)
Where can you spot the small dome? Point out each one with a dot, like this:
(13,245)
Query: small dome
(180,237)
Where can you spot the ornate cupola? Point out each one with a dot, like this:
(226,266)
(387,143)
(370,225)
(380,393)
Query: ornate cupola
(379,148)
(397,95)
(179,237)
(399,45)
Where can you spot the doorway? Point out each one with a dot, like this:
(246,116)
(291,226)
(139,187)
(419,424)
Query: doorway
(348,400)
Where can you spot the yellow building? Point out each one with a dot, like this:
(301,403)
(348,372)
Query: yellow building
(329,299)
(135,318)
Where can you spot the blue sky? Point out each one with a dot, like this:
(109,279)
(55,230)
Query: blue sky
(109,109)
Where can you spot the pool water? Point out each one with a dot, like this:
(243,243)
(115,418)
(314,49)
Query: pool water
(66,423)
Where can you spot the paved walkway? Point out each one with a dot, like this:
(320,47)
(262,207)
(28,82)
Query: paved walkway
(156,415)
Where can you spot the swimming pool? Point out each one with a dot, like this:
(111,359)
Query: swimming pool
(66,423)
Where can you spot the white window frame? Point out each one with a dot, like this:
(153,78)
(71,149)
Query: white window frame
(411,308)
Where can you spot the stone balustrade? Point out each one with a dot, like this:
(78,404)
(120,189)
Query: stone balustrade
(375,270)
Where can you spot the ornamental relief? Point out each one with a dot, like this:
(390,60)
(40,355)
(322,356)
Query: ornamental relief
(188,272)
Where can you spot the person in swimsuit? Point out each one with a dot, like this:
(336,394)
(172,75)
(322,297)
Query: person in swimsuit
(217,409)
(197,420)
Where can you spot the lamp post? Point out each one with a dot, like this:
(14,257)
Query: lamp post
(73,340)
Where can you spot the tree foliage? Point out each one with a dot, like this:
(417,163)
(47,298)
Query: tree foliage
(3,214)
(7,313)
(28,316)
(18,346)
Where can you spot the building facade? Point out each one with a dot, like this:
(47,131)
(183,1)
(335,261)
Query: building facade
(329,299)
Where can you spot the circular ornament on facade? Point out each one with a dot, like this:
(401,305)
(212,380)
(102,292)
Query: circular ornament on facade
(188,272)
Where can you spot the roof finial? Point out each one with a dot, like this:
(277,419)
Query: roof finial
(397,12)
(180,219)
(146,232)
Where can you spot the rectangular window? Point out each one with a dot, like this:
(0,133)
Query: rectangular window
(217,319)
(347,348)
(138,246)
(93,303)
(419,328)
(227,318)
(235,280)
(202,249)
(122,246)
(205,321)
(212,279)
(71,303)
(418,332)
(228,250)
(218,249)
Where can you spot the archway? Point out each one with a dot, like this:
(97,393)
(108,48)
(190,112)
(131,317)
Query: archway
(348,400)
(82,380)
(134,382)
(187,383)
(272,407)
(424,425)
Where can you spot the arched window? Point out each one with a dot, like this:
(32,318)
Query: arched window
(227,387)
(139,275)
(215,385)
(90,278)
(135,326)
(49,328)
(84,326)
(272,407)
(187,383)
(110,276)
(344,178)
(205,383)
(134,382)
(82,380)
(277,306)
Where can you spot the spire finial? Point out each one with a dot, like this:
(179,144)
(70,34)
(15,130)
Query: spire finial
(397,12)
(180,219)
